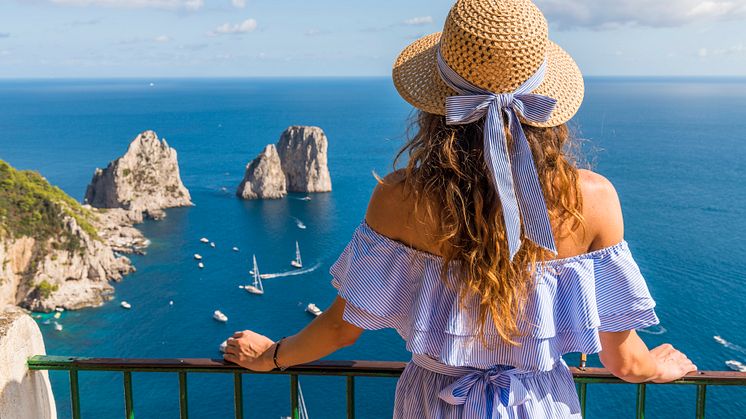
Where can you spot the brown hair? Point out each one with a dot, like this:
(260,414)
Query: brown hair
(451,184)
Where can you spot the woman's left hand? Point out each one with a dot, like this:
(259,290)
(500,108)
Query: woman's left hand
(246,349)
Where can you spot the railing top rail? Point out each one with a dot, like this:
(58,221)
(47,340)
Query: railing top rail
(358,368)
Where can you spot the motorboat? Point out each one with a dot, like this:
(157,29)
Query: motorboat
(126,305)
(219,316)
(201,265)
(197,256)
(204,240)
(313,309)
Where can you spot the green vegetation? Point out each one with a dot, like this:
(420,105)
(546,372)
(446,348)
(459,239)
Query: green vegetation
(46,289)
(30,206)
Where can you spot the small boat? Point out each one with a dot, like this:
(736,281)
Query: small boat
(57,315)
(197,256)
(171,302)
(300,224)
(126,305)
(212,244)
(201,265)
(219,316)
(235,249)
(223,346)
(57,327)
(152,84)
(204,240)
(297,263)
(59,309)
(736,365)
(313,309)
(256,287)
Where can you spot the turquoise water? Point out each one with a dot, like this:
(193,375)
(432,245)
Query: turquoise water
(674,149)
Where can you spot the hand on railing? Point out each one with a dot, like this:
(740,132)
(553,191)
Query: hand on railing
(672,364)
(246,348)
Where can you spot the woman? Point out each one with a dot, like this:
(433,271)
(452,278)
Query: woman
(491,254)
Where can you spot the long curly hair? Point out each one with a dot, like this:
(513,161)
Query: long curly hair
(448,177)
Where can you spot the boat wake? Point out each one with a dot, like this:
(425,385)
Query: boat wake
(292,273)
(729,345)
(655,330)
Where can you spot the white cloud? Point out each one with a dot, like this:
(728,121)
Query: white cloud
(419,21)
(190,5)
(610,14)
(162,39)
(734,49)
(239,3)
(248,25)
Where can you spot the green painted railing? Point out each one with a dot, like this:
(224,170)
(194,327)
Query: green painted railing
(348,369)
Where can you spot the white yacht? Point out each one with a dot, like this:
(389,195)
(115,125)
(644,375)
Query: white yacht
(201,265)
(313,309)
(235,249)
(256,287)
(197,256)
(212,244)
(204,240)
(736,365)
(57,327)
(219,316)
(223,346)
(297,263)
(126,305)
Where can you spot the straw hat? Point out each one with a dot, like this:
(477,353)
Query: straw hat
(496,45)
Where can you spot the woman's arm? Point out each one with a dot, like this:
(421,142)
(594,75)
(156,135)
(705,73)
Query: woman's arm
(323,336)
(626,356)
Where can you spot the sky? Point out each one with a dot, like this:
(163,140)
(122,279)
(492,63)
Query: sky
(310,38)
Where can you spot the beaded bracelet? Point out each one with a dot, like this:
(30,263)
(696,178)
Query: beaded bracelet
(274,356)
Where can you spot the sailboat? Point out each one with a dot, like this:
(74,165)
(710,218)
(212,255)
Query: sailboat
(256,287)
(297,263)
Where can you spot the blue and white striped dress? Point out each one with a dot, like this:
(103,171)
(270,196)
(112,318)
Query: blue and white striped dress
(452,374)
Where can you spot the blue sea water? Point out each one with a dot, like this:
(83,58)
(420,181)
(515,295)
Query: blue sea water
(675,149)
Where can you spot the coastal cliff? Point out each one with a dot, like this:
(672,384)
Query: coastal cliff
(298,163)
(51,254)
(144,180)
(264,178)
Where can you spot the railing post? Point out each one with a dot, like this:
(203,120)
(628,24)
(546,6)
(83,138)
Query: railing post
(238,394)
(129,412)
(74,393)
(183,405)
(350,397)
(640,401)
(701,396)
(294,413)
(582,394)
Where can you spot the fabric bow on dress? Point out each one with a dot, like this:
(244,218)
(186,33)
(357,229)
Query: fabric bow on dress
(487,393)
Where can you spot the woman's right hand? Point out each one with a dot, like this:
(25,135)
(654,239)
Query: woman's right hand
(672,364)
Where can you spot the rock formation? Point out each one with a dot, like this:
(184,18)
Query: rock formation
(51,254)
(302,151)
(146,179)
(264,178)
(297,164)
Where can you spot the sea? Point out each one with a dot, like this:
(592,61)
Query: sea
(674,148)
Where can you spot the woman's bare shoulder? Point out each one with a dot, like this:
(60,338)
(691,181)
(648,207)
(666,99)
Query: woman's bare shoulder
(601,209)
(388,203)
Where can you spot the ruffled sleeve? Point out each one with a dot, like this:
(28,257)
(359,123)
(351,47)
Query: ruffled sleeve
(624,301)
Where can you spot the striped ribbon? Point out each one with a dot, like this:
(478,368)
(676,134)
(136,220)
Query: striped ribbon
(513,171)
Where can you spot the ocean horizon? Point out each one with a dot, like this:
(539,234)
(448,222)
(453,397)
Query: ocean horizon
(673,147)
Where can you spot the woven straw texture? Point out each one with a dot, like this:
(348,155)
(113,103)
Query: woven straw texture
(496,45)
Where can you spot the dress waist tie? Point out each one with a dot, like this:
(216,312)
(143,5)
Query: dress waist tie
(483,393)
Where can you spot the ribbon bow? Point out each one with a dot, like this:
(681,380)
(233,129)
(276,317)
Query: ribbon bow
(513,172)
(480,391)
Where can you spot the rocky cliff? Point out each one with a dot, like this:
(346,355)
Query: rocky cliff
(51,254)
(297,164)
(146,179)
(264,178)
(303,151)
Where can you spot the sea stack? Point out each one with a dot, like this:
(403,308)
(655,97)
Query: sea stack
(264,178)
(145,180)
(303,153)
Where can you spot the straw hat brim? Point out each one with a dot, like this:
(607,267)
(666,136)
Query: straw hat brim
(418,81)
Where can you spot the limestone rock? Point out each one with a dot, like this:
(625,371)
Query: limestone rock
(145,179)
(303,153)
(264,178)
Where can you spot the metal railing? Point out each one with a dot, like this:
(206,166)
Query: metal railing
(347,369)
